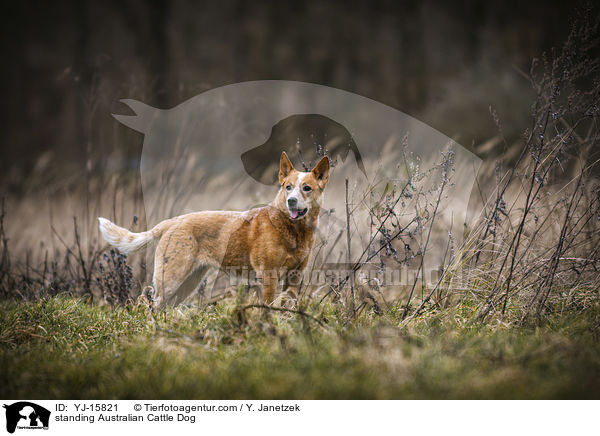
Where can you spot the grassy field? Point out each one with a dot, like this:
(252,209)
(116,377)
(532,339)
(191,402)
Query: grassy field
(63,347)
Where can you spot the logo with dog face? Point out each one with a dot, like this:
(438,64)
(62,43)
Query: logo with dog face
(26,415)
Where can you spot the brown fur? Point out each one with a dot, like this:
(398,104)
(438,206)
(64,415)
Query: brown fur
(267,239)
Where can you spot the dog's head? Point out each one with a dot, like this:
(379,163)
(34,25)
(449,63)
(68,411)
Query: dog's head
(301,192)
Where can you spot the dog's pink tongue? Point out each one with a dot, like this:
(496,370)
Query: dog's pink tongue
(294,214)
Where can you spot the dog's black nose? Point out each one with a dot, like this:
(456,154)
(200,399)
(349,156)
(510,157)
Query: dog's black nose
(292,202)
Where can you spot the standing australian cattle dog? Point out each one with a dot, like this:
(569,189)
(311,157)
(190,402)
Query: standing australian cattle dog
(273,240)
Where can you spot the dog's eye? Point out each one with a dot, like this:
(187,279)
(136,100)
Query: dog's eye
(288,188)
(306,188)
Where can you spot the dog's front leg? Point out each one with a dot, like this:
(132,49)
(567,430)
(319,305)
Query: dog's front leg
(270,279)
(293,280)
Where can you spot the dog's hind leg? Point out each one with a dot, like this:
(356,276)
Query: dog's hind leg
(186,288)
(177,271)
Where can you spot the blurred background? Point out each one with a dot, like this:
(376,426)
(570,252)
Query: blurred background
(67,65)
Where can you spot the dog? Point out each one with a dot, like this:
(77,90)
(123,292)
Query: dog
(273,241)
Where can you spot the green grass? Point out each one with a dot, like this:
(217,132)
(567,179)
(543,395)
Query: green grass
(63,347)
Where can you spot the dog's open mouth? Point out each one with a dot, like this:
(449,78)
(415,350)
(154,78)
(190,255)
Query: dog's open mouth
(297,213)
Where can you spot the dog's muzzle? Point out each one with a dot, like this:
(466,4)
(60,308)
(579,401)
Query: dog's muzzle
(296,213)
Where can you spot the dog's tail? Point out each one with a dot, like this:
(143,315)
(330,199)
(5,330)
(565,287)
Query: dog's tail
(126,241)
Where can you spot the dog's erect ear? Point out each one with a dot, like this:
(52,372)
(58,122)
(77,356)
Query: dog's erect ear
(285,167)
(321,171)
